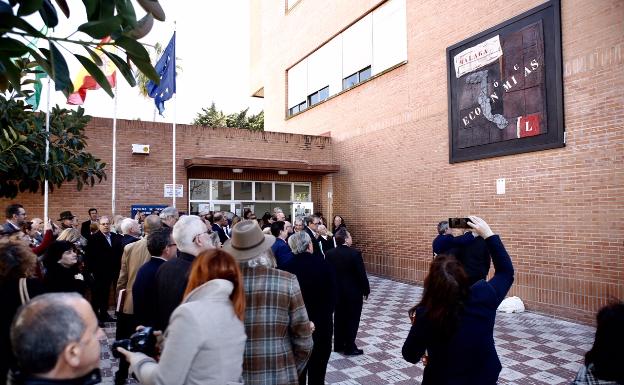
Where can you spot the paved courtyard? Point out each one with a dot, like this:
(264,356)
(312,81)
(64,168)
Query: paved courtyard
(534,349)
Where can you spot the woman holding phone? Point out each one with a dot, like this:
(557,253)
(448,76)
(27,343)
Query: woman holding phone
(454,322)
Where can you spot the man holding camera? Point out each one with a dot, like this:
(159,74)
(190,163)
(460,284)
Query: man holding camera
(71,352)
(446,241)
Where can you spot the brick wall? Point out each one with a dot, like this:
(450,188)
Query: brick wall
(561,215)
(140,178)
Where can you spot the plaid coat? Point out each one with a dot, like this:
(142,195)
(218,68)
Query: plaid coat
(279,339)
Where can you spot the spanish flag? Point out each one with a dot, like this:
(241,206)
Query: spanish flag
(84,81)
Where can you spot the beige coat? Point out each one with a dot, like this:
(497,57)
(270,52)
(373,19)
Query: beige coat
(134,256)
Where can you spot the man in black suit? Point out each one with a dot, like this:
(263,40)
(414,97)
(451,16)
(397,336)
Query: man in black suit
(353,287)
(103,259)
(318,286)
(311,222)
(16,216)
(131,230)
(85,228)
(476,259)
(219,222)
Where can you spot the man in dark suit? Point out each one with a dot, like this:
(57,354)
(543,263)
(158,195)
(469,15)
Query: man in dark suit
(103,259)
(311,222)
(281,250)
(353,287)
(162,248)
(318,286)
(476,259)
(85,228)
(16,216)
(219,222)
(191,236)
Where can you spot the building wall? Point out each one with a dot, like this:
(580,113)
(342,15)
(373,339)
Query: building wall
(140,178)
(561,216)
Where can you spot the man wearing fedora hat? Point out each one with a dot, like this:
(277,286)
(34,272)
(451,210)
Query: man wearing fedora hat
(67,220)
(279,334)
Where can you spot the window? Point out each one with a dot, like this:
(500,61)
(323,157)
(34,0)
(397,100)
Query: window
(221,190)
(302,193)
(318,96)
(242,190)
(264,191)
(297,108)
(370,46)
(283,191)
(356,78)
(199,189)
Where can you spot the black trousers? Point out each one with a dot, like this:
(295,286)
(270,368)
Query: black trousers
(126,326)
(100,294)
(316,367)
(346,323)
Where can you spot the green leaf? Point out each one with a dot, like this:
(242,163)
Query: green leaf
(12,73)
(43,62)
(99,29)
(134,49)
(107,9)
(48,14)
(9,21)
(29,6)
(96,58)
(146,68)
(124,68)
(92,8)
(61,71)
(11,47)
(96,73)
(63,6)
(24,148)
(126,11)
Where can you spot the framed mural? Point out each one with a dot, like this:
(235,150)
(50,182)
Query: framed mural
(505,88)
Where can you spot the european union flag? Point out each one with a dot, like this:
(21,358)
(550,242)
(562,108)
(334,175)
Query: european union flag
(166,68)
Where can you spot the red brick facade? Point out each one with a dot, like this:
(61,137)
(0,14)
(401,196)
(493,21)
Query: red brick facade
(140,178)
(561,216)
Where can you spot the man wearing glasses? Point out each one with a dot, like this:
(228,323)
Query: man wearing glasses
(16,217)
(192,236)
(312,222)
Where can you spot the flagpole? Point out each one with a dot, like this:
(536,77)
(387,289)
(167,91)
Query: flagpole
(114,153)
(174,126)
(47,156)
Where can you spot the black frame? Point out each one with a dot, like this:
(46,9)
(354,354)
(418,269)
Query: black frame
(550,15)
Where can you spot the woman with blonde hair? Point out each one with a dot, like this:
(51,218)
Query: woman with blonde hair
(205,340)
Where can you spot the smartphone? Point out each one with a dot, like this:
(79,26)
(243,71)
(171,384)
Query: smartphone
(459,223)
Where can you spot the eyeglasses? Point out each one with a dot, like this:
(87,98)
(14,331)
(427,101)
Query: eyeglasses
(209,231)
(171,244)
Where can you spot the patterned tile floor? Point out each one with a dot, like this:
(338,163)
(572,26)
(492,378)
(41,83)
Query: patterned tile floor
(534,349)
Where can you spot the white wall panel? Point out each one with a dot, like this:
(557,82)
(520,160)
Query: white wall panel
(357,46)
(324,67)
(297,83)
(389,35)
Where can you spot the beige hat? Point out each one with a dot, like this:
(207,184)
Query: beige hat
(247,241)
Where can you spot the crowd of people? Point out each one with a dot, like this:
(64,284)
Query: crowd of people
(229,300)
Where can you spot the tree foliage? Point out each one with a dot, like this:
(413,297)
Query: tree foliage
(212,117)
(105,18)
(23,143)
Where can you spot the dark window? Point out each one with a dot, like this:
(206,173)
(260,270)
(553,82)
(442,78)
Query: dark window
(356,78)
(365,74)
(298,108)
(350,81)
(318,96)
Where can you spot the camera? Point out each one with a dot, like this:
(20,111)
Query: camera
(459,223)
(142,341)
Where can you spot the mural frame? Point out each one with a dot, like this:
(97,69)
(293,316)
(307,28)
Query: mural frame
(546,19)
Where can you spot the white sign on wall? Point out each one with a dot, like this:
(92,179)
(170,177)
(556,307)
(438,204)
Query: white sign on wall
(169,190)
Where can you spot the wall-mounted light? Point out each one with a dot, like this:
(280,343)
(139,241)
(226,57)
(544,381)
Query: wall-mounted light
(237,170)
(282,172)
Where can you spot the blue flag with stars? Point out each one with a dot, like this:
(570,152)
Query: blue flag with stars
(166,69)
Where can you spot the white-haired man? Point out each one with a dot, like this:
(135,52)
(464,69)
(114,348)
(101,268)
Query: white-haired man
(131,230)
(169,216)
(191,237)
